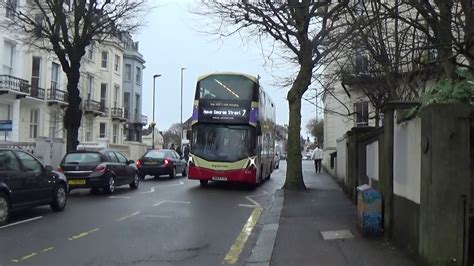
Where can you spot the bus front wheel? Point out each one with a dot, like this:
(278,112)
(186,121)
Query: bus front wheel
(203,182)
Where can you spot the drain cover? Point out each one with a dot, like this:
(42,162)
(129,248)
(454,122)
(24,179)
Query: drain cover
(336,234)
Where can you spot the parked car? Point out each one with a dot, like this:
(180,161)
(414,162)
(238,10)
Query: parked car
(26,182)
(161,162)
(104,169)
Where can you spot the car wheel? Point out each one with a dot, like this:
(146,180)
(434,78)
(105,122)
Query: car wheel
(203,182)
(173,173)
(59,198)
(110,188)
(4,209)
(136,182)
(185,172)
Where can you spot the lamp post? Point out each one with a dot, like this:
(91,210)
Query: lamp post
(153,124)
(181,135)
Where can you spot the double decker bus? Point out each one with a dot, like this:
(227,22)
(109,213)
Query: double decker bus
(233,130)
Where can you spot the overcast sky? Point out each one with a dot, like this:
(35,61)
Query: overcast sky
(170,41)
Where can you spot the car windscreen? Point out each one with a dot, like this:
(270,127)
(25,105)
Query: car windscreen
(161,154)
(223,143)
(82,158)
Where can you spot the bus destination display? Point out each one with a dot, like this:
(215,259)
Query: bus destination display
(224,111)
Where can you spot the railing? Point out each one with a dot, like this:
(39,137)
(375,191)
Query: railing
(10,83)
(117,112)
(38,93)
(94,106)
(56,95)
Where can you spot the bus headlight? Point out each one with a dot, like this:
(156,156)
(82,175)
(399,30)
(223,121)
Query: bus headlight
(251,163)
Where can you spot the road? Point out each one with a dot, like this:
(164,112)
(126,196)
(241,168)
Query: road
(164,222)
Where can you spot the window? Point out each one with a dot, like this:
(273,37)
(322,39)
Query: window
(89,129)
(117,96)
(29,162)
(8,58)
(128,72)
(105,59)
(8,161)
(90,52)
(55,76)
(361,110)
(102,130)
(126,104)
(83,158)
(103,96)
(10,8)
(121,158)
(138,75)
(90,87)
(227,87)
(115,134)
(117,63)
(53,124)
(34,114)
(35,75)
(39,25)
(112,157)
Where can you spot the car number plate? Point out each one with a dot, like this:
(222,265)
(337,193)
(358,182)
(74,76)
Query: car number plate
(219,178)
(151,163)
(76,182)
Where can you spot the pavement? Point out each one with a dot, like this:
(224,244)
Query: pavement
(293,229)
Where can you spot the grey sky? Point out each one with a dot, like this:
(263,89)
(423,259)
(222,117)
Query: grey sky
(169,41)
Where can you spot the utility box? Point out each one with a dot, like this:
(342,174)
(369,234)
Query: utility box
(369,211)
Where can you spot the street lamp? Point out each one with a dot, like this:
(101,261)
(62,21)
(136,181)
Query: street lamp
(153,124)
(181,141)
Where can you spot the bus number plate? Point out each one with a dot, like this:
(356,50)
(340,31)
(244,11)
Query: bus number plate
(219,178)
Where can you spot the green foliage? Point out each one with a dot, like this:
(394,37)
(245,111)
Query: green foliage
(316,129)
(460,90)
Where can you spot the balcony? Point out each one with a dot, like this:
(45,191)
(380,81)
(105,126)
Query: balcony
(117,114)
(17,86)
(94,107)
(56,96)
(38,93)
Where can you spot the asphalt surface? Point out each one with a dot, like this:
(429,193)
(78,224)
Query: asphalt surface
(164,222)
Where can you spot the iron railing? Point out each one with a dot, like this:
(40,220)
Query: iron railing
(14,84)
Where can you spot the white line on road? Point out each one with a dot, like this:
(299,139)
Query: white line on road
(170,201)
(248,205)
(128,216)
(152,189)
(177,184)
(20,222)
(119,197)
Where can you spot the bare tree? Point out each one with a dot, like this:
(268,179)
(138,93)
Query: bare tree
(172,135)
(316,129)
(67,28)
(298,27)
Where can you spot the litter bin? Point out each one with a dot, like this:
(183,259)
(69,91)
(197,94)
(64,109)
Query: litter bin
(369,211)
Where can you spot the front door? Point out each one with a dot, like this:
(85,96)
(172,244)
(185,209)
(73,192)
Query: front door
(36,177)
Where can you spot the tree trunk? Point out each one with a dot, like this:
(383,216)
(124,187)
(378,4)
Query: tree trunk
(73,116)
(294,172)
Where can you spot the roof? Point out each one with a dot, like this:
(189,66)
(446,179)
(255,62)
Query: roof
(253,78)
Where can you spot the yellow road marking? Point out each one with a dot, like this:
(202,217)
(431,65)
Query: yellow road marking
(33,254)
(128,216)
(83,234)
(28,256)
(47,249)
(235,250)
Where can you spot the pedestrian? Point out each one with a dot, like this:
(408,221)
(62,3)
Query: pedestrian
(178,150)
(172,146)
(186,152)
(317,156)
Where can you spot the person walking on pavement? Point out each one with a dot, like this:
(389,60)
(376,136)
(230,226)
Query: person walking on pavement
(178,150)
(186,153)
(317,156)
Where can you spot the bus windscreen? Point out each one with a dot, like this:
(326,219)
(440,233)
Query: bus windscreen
(226,87)
(223,143)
